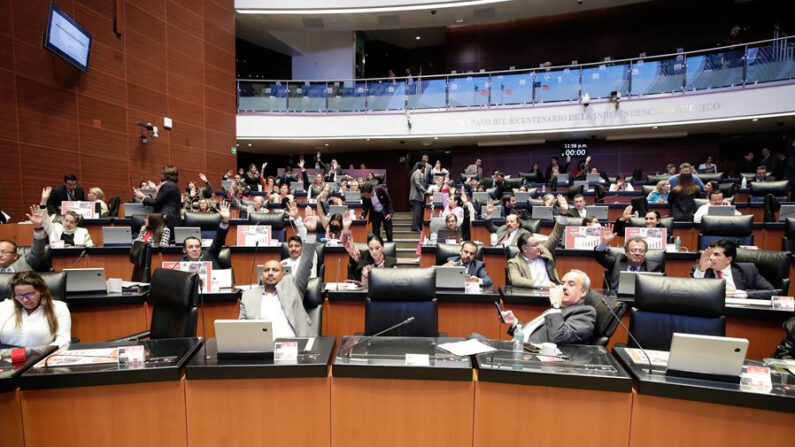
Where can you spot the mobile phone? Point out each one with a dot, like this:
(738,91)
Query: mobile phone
(499,311)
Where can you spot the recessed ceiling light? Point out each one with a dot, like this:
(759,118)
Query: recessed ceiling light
(249,145)
(653,127)
(418,37)
(435,138)
(755,119)
(459,21)
(326,145)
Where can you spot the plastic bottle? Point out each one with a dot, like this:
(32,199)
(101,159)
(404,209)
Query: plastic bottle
(678,243)
(744,183)
(518,339)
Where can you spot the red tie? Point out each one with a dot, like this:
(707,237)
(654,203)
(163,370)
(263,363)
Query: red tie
(505,238)
(720,275)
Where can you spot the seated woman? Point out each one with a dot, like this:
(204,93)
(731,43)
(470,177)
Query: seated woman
(204,206)
(621,184)
(96,195)
(536,176)
(154,232)
(374,258)
(318,185)
(32,317)
(708,167)
(652,219)
(660,193)
(258,205)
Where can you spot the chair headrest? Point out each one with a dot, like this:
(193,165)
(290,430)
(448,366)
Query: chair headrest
(687,296)
(777,188)
(411,284)
(206,221)
(734,226)
(174,288)
(274,219)
(56,282)
(790,227)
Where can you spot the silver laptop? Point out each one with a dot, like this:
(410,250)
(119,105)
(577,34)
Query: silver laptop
(182,233)
(116,236)
(496,214)
(542,212)
(85,280)
(563,178)
(705,354)
(720,210)
(249,337)
(593,178)
(332,187)
(296,186)
(226,184)
(583,183)
(353,196)
(132,208)
(786,211)
(480,196)
(522,197)
(337,209)
(451,277)
(599,211)
(626,281)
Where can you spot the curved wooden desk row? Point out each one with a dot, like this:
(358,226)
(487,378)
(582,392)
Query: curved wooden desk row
(200,402)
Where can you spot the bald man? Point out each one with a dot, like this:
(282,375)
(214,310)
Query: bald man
(280,298)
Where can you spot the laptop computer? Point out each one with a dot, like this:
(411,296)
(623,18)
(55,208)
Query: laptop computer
(181,233)
(786,211)
(296,186)
(337,209)
(626,282)
(496,214)
(447,235)
(720,210)
(583,183)
(481,196)
(85,280)
(226,184)
(563,179)
(332,187)
(706,356)
(244,338)
(116,236)
(451,277)
(599,211)
(133,208)
(542,212)
(522,197)
(437,223)
(353,196)
(593,178)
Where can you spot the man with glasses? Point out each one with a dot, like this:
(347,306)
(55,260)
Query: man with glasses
(11,262)
(534,266)
(632,260)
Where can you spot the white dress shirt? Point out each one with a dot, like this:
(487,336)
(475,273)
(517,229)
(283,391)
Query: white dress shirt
(725,274)
(538,270)
(34,330)
(271,310)
(377,205)
(704,209)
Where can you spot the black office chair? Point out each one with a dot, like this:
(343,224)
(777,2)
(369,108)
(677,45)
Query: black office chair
(446,251)
(710,177)
(773,266)
(734,228)
(487,182)
(779,189)
(397,294)
(313,302)
(225,261)
(531,225)
(174,296)
(606,323)
(113,206)
(513,182)
(276,221)
(56,282)
(664,305)
(648,189)
(788,242)
(141,257)
(208,222)
(137,221)
(654,179)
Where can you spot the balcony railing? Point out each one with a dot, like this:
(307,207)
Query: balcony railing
(735,66)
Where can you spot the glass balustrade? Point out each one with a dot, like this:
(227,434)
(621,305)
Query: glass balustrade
(730,67)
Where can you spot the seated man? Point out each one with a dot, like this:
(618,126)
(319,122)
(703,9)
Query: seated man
(715,199)
(717,261)
(579,207)
(761,175)
(633,259)
(295,243)
(509,233)
(192,246)
(568,321)
(534,266)
(281,297)
(11,262)
(476,270)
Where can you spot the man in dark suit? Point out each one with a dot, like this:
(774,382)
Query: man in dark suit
(476,270)
(633,259)
(578,210)
(69,191)
(568,321)
(428,177)
(192,247)
(168,200)
(377,208)
(717,261)
(417,193)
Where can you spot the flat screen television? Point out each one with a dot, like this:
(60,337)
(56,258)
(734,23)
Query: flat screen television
(67,39)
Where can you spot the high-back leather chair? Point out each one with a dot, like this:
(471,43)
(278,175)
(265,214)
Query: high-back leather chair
(606,323)
(664,305)
(735,228)
(654,179)
(710,177)
(532,225)
(773,266)
(56,282)
(313,302)
(446,251)
(648,189)
(113,206)
(276,221)
(788,242)
(208,222)
(141,257)
(759,190)
(513,182)
(397,294)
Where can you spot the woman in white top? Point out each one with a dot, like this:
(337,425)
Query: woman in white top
(32,317)
(96,195)
(621,184)
(438,170)
(708,167)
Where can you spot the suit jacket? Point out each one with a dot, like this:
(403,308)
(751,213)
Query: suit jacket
(34,260)
(574,324)
(518,270)
(615,264)
(58,195)
(746,277)
(291,290)
(573,213)
(503,230)
(417,187)
(383,197)
(211,253)
(167,202)
(474,171)
(475,268)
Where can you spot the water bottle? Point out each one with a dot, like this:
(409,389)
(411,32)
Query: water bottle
(518,339)
(678,243)
(744,183)
(543,188)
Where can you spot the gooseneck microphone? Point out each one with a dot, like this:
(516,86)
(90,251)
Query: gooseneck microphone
(254,262)
(648,359)
(351,346)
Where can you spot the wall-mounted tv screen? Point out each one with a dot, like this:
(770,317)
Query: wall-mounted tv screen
(67,39)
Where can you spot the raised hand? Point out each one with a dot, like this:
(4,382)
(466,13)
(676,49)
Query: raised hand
(138,194)
(292,210)
(705,261)
(301,164)
(223,210)
(202,177)
(489,207)
(310,221)
(563,204)
(36,217)
(347,220)
(607,233)
(45,194)
(627,212)
(509,317)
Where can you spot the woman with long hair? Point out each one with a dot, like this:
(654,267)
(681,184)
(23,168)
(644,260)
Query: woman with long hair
(683,195)
(373,258)
(154,232)
(32,317)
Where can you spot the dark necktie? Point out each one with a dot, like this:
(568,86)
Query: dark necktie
(69,239)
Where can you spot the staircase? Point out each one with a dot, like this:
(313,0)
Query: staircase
(405,240)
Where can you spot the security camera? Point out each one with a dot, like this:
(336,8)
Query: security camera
(433,12)
(586,99)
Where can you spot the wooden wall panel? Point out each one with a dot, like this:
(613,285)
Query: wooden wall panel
(55,119)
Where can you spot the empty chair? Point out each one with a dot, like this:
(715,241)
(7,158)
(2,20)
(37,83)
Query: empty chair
(606,323)
(788,242)
(141,257)
(654,179)
(397,294)
(274,219)
(113,206)
(207,222)
(772,265)
(759,190)
(664,305)
(709,177)
(734,228)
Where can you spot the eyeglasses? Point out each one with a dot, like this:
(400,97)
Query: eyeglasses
(7,252)
(29,296)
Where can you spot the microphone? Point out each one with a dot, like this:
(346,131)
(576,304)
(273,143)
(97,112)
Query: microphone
(82,253)
(176,262)
(648,359)
(204,322)
(351,346)
(254,261)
